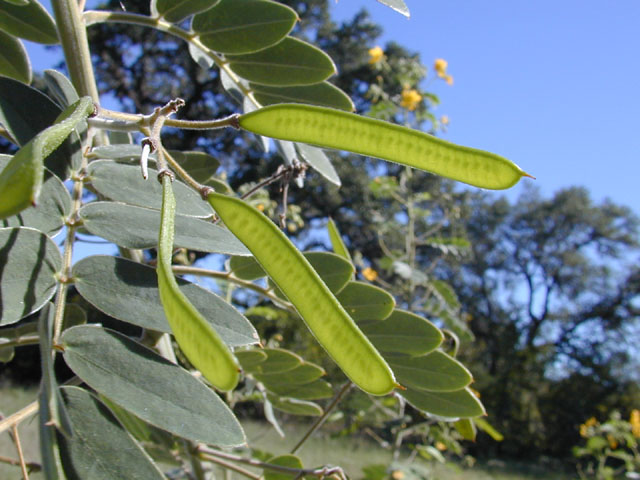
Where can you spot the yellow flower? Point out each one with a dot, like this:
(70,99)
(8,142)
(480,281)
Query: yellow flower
(397,475)
(448,79)
(444,120)
(376,54)
(613,443)
(260,207)
(410,99)
(634,420)
(584,428)
(440,66)
(441,446)
(370,274)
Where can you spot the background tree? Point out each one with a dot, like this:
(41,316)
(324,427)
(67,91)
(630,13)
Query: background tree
(551,290)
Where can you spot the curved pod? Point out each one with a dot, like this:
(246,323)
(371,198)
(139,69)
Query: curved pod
(329,128)
(198,340)
(332,326)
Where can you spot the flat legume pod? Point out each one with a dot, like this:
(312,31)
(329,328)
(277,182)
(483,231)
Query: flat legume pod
(329,128)
(198,340)
(332,326)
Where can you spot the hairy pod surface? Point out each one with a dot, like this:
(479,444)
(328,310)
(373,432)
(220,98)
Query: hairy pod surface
(198,340)
(332,326)
(21,180)
(330,128)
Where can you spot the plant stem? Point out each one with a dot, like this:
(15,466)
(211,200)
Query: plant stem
(230,466)
(318,423)
(316,472)
(229,277)
(67,256)
(73,36)
(16,440)
(21,341)
(19,416)
(93,16)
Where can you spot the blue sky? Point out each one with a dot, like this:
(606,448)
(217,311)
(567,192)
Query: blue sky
(552,85)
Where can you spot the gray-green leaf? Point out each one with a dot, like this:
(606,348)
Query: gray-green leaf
(121,369)
(461,403)
(366,302)
(398,5)
(100,448)
(31,22)
(403,332)
(137,227)
(177,10)
(244,26)
(128,291)
(436,372)
(124,183)
(290,62)
(29,263)
(14,61)
(25,112)
(324,94)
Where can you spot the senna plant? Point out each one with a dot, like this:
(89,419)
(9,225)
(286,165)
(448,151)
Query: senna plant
(150,397)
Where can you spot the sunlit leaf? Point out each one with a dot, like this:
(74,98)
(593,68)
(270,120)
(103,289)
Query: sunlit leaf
(403,332)
(436,372)
(336,241)
(461,403)
(243,26)
(366,302)
(278,360)
(295,406)
(320,162)
(397,5)
(289,461)
(177,10)
(323,94)
(301,374)
(290,62)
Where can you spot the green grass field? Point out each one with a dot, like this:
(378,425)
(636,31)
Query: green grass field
(350,454)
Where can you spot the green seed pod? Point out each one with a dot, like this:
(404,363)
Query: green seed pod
(329,128)
(198,340)
(332,326)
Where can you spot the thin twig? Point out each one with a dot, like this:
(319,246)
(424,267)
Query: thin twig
(230,466)
(32,466)
(320,472)
(318,423)
(16,440)
(21,341)
(229,277)
(19,416)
